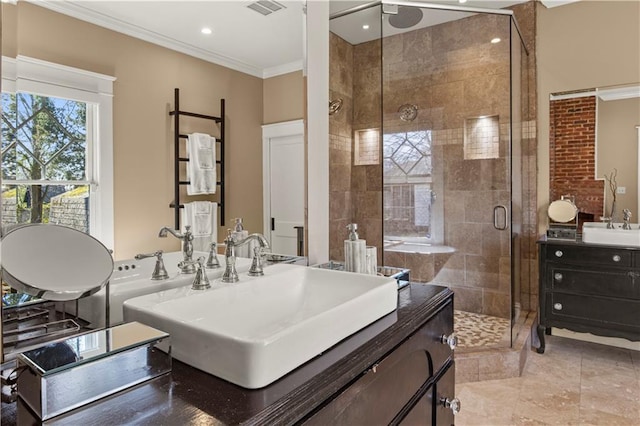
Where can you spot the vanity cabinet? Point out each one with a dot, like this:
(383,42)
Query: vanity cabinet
(394,371)
(589,288)
(403,387)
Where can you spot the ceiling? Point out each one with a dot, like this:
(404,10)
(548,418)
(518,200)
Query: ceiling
(241,38)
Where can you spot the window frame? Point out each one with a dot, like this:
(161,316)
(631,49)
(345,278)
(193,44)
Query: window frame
(25,74)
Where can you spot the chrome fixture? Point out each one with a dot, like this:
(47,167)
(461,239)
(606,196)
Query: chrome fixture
(212,261)
(626,217)
(187,265)
(256,263)
(335,106)
(200,281)
(408,112)
(230,274)
(159,271)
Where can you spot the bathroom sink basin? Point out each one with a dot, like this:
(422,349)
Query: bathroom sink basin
(597,233)
(255,331)
(132,278)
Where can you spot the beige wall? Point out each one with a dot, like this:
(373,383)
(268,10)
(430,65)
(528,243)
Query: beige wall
(143,94)
(283,98)
(581,45)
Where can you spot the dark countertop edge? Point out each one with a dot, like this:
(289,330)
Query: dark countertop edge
(578,242)
(298,404)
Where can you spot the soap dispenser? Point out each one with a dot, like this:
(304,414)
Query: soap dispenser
(238,234)
(355,251)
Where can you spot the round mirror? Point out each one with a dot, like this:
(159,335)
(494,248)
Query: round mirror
(562,211)
(54,262)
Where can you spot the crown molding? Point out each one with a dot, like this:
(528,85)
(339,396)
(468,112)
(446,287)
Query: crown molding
(555,3)
(282,69)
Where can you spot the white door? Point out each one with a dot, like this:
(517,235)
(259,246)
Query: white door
(284,185)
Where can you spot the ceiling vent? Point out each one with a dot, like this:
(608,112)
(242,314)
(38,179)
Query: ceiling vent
(266,7)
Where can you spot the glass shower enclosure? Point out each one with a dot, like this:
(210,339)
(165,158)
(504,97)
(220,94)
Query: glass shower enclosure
(433,99)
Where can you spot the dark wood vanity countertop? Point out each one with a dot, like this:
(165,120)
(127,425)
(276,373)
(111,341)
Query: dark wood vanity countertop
(578,242)
(190,396)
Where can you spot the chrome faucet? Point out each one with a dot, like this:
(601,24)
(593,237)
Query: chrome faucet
(230,274)
(626,217)
(212,261)
(187,266)
(159,271)
(200,281)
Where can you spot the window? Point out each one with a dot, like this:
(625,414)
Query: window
(407,182)
(57,147)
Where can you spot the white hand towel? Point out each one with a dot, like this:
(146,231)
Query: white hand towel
(202,216)
(201,169)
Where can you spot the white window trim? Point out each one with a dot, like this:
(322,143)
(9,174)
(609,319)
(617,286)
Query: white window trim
(55,80)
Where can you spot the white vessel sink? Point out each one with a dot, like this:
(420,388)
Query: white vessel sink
(255,331)
(597,233)
(132,278)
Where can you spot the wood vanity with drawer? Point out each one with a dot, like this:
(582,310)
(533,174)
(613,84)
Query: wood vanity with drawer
(398,370)
(589,288)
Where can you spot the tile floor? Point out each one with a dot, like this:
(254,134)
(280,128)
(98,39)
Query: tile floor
(572,383)
(480,331)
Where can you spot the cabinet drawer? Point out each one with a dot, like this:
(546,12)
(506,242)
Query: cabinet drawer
(384,390)
(600,282)
(589,255)
(600,311)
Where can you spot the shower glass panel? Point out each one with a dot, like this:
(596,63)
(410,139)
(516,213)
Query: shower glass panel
(441,94)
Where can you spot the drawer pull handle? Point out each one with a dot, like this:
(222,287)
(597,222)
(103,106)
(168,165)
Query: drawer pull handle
(452,404)
(557,276)
(559,253)
(451,340)
(557,306)
(616,258)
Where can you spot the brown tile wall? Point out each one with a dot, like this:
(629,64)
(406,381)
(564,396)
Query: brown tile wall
(340,144)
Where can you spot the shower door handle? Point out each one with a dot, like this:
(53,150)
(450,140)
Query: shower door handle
(496,217)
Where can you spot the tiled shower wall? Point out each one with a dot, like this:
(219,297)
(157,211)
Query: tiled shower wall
(340,144)
(450,76)
(355,191)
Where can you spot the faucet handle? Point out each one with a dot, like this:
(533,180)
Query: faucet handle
(212,261)
(159,271)
(256,263)
(200,281)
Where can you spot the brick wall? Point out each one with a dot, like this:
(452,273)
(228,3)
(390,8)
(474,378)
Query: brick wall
(572,143)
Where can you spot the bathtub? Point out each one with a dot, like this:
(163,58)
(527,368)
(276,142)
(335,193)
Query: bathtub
(425,260)
(415,245)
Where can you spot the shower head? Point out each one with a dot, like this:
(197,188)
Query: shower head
(406,17)
(335,106)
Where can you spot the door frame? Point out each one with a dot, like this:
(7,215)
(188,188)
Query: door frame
(270,131)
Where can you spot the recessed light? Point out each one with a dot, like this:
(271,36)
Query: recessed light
(365,27)
(495,40)
(206,30)
(462,1)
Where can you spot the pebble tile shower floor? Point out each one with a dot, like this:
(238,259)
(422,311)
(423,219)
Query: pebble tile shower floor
(480,331)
